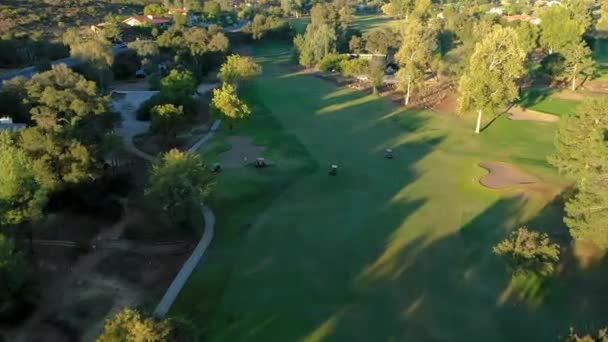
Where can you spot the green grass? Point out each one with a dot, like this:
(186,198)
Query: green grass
(600,50)
(361,22)
(387,250)
(543,101)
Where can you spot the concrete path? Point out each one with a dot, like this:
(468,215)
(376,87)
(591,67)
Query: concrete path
(127,105)
(180,280)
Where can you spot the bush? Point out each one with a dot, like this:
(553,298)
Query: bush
(354,67)
(332,62)
(125,65)
(529,251)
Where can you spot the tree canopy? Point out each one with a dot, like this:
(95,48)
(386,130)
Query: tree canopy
(494,68)
(129,325)
(581,152)
(226,101)
(237,68)
(529,251)
(414,55)
(22,197)
(179,183)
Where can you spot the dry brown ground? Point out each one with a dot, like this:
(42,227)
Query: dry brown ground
(243,151)
(79,290)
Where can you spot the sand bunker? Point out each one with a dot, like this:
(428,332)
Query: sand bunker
(503,175)
(522,114)
(243,152)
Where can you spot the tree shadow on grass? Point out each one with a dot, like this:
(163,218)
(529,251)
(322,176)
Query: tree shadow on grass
(530,96)
(453,288)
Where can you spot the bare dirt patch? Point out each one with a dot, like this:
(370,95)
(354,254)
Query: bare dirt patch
(243,152)
(81,289)
(518,113)
(449,104)
(503,175)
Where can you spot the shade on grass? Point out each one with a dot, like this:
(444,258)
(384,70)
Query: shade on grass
(542,100)
(387,250)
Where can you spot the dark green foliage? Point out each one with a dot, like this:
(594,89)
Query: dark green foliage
(178,184)
(16,292)
(21,52)
(125,65)
(582,147)
(270,27)
(529,252)
(177,88)
(332,62)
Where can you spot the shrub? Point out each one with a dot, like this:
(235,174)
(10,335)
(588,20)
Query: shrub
(354,67)
(129,325)
(529,251)
(332,62)
(125,65)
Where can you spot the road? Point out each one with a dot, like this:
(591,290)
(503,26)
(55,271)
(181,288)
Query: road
(69,61)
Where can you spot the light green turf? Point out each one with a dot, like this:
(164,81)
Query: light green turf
(388,250)
(541,99)
(361,22)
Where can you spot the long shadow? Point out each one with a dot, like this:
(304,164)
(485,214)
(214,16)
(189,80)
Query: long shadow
(372,276)
(321,272)
(454,289)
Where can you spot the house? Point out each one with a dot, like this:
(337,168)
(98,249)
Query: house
(522,17)
(7,124)
(143,20)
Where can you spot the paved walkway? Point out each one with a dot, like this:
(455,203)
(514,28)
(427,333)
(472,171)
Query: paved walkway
(130,128)
(182,276)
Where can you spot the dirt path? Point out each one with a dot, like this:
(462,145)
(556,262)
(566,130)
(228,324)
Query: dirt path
(53,297)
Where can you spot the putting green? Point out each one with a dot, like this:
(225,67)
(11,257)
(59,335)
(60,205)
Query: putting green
(387,250)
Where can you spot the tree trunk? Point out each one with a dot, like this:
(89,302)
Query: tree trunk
(478,126)
(407,95)
(574,79)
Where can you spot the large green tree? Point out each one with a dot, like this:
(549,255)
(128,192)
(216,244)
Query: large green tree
(560,28)
(490,81)
(238,68)
(226,101)
(178,85)
(71,117)
(414,56)
(315,44)
(581,152)
(167,119)
(529,251)
(179,183)
(22,197)
(192,45)
(578,62)
(402,8)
